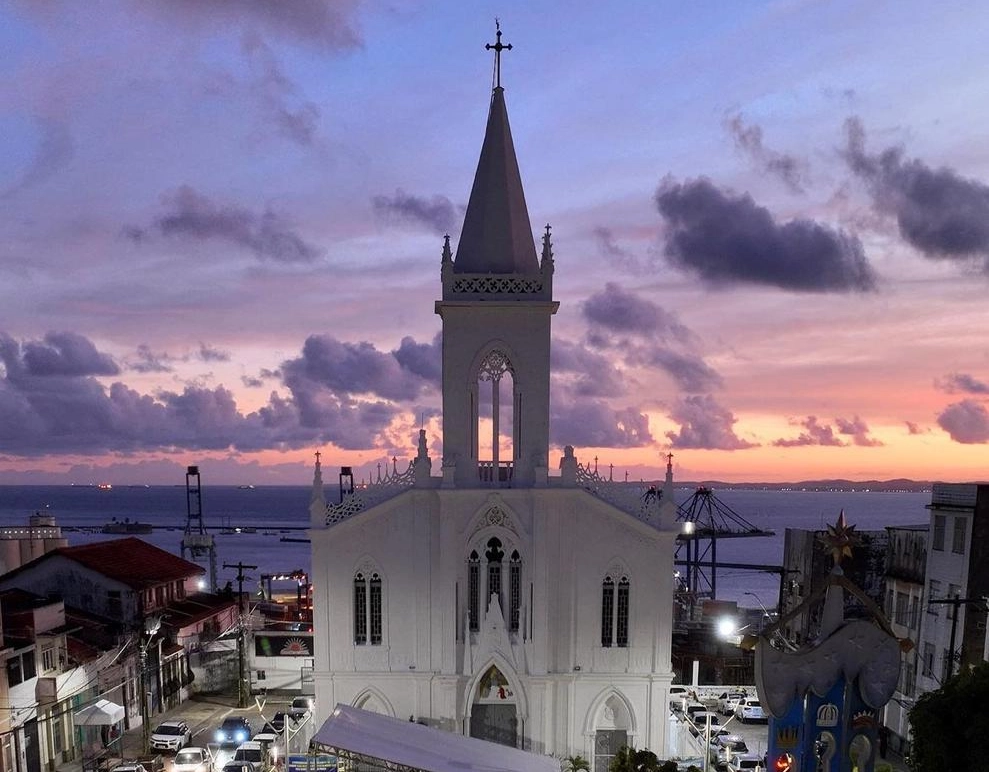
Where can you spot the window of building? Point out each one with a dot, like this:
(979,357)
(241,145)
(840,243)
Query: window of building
(494,555)
(48,659)
(939,523)
(908,679)
(368,618)
(474,591)
(945,665)
(514,591)
(933,593)
(14,674)
(954,591)
(58,736)
(958,536)
(368,624)
(114,604)
(28,665)
(614,611)
(607,743)
(928,659)
(914,621)
(901,608)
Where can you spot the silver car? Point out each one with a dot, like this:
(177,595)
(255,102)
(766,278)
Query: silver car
(750,709)
(191,759)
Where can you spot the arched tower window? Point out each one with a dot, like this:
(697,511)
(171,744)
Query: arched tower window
(495,408)
(367,609)
(614,611)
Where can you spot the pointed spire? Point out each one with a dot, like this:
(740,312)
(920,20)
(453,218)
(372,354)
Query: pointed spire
(667,502)
(317,499)
(497,233)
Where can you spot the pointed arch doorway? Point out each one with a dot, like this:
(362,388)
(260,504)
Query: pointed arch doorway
(494,714)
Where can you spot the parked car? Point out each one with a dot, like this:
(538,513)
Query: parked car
(692,708)
(701,719)
(677,695)
(267,735)
(171,736)
(238,766)
(192,759)
(728,701)
(729,748)
(129,766)
(300,707)
(747,762)
(750,709)
(254,753)
(233,731)
(278,721)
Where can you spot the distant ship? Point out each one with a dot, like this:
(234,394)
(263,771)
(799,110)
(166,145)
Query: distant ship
(126,526)
(246,487)
(105,486)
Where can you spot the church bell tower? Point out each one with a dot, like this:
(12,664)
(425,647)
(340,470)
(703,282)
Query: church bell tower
(496,310)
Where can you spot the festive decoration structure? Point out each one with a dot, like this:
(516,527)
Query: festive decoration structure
(824,699)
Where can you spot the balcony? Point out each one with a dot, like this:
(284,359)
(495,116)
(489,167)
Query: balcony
(495,474)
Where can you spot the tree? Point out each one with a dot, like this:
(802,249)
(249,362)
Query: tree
(574,764)
(950,725)
(632,760)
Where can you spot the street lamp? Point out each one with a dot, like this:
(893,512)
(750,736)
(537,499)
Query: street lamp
(152,625)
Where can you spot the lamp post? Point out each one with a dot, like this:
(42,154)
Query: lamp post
(150,629)
(241,685)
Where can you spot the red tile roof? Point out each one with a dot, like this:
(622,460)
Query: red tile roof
(132,561)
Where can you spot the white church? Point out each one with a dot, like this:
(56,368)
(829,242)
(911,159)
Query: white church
(486,594)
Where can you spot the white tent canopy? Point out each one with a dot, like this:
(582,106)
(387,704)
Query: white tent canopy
(355,732)
(100,713)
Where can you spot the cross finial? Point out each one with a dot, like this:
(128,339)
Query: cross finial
(498,47)
(317,456)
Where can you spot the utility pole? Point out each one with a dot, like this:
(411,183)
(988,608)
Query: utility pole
(954,601)
(241,686)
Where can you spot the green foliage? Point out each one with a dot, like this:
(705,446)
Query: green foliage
(632,760)
(575,764)
(950,725)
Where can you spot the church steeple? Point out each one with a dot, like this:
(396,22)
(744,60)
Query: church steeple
(496,309)
(497,235)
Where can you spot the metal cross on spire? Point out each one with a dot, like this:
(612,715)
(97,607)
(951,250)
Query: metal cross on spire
(497,47)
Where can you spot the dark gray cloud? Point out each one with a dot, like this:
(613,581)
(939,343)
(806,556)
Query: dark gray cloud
(913,428)
(357,369)
(857,429)
(51,403)
(618,256)
(251,381)
(748,138)
(727,239)
(326,25)
(618,310)
(690,372)
(963,383)
(966,422)
(148,361)
(192,215)
(593,424)
(210,354)
(422,359)
(814,433)
(941,213)
(438,213)
(292,118)
(65,353)
(579,372)
(705,425)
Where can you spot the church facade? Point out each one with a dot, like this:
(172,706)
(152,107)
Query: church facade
(480,592)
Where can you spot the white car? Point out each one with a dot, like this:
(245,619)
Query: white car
(747,762)
(171,736)
(252,752)
(750,710)
(191,759)
(728,701)
(701,720)
(677,695)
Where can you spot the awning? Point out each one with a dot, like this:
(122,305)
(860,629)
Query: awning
(100,713)
(352,732)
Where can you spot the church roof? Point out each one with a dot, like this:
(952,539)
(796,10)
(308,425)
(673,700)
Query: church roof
(497,234)
(404,745)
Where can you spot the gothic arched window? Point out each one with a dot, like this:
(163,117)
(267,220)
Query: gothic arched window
(494,554)
(514,590)
(495,404)
(474,591)
(614,611)
(367,609)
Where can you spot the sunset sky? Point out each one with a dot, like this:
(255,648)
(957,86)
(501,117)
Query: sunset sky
(222,221)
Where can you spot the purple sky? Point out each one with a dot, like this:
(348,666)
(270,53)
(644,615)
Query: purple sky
(222,222)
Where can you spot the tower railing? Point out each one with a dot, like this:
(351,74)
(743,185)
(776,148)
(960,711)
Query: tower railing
(496,474)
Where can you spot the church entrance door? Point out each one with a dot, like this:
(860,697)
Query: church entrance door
(496,723)
(494,716)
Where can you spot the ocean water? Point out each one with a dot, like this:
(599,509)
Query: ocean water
(279,516)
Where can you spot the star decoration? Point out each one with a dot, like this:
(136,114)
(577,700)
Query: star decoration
(840,538)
